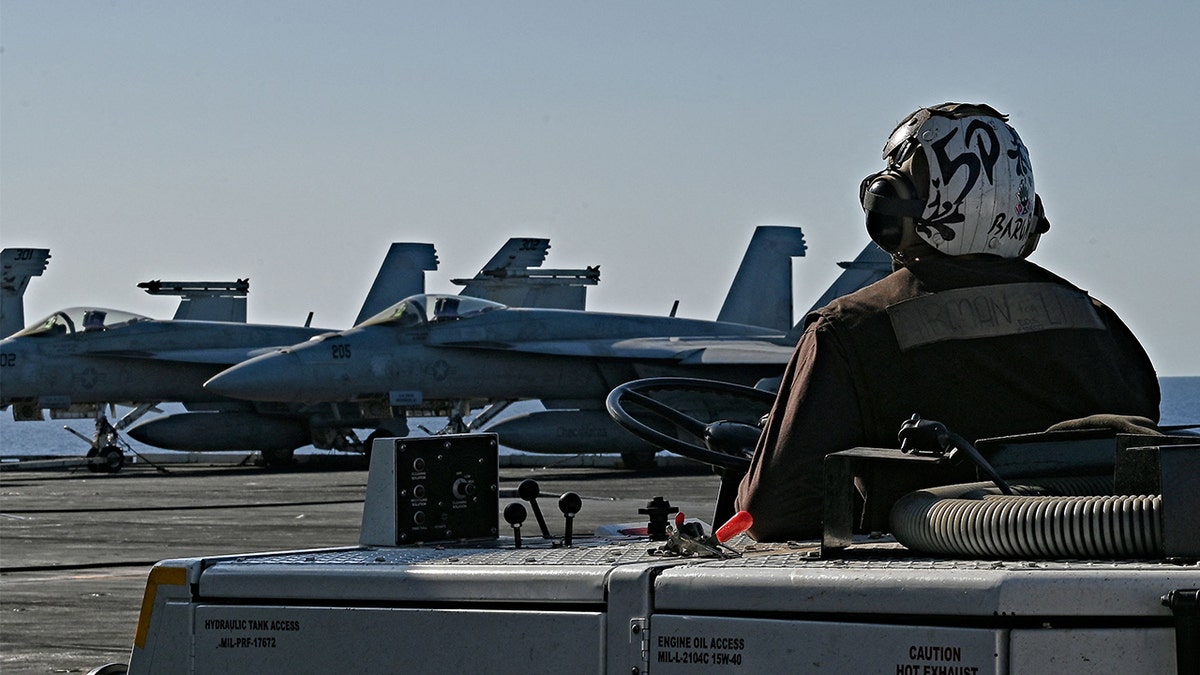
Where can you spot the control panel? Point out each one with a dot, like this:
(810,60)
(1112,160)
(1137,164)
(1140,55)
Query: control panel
(432,489)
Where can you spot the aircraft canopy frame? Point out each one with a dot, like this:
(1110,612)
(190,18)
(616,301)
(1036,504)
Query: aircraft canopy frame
(430,308)
(81,320)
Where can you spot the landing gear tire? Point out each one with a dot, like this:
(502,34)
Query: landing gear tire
(93,467)
(279,459)
(112,459)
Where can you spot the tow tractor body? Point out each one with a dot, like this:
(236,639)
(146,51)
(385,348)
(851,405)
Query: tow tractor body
(440,584)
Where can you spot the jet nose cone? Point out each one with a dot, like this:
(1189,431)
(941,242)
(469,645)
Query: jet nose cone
(270,377)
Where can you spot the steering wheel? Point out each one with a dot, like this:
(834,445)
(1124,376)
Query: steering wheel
(727,444)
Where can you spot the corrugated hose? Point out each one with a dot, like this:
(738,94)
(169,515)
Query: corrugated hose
(1043,518)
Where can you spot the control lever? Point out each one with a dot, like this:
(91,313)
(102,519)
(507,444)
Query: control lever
(739,523)
(529,490)
(688,539)
(569,503)
(514,515)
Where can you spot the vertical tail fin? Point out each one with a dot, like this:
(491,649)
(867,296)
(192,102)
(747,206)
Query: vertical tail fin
(402,274)
(871,265)
(17,267)
(761,294)
(516,254)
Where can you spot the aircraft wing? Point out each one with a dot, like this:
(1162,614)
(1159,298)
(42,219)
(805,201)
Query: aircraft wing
(204,300)
(517,253)
(514,277)
(228,356)
(691,351)
(748,353)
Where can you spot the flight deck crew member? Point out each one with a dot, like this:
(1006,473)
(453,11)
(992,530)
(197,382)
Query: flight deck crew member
(965,331)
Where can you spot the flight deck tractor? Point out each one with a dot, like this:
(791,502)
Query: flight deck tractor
(1065,552)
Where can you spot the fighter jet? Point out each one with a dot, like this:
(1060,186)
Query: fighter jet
(79,360)
(455,352)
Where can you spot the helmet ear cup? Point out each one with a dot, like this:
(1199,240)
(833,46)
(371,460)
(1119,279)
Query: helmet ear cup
(1041,226)
(890,202)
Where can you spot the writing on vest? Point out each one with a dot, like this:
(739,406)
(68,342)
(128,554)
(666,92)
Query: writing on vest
(990,311)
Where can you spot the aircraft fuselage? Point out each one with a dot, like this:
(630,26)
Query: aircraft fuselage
(503,354)
(142,361)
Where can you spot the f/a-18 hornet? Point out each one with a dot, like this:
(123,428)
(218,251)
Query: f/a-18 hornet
(464,352)
(77,361)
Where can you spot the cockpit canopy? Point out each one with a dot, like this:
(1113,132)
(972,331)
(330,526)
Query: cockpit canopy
(81,320)
(427,308)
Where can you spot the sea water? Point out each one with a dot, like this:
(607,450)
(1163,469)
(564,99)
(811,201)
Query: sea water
(1180,400)
(1180,405)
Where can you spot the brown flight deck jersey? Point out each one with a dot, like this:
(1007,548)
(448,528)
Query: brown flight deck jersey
(988,346)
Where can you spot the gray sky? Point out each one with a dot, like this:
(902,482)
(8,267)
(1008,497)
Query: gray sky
(291,142)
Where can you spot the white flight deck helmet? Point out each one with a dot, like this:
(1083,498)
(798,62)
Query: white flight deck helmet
(958,179)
